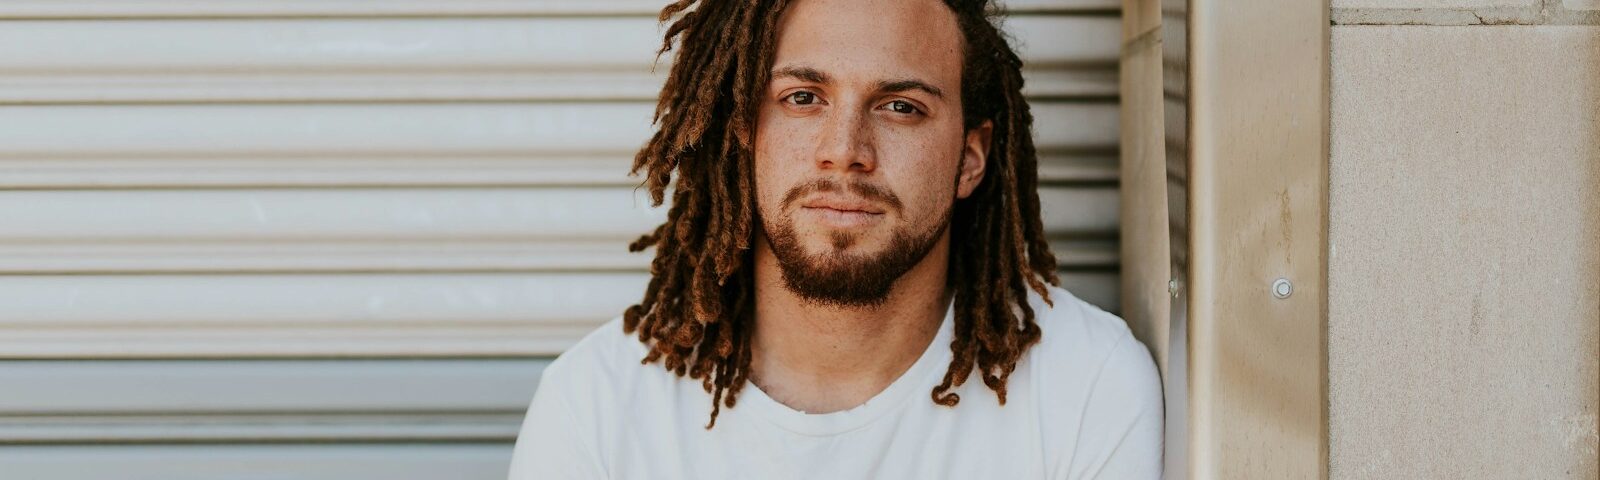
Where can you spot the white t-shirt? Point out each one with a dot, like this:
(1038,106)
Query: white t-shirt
(1085,402)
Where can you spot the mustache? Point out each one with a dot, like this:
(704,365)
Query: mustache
(867,191)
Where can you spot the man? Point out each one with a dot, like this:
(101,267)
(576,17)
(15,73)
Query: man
(853,279)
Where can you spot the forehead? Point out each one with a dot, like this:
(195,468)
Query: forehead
(868,40)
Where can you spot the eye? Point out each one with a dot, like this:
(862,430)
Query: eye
(902,106)
(802,98)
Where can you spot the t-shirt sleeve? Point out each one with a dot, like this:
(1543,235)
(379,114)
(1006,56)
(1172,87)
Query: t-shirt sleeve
(552,443)
(1123,416)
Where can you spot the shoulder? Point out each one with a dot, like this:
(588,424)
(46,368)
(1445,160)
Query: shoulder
(594,367)
(1083,338)
(576,413)
(1097,388)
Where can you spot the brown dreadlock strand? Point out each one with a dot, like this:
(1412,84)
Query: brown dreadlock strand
(696,315)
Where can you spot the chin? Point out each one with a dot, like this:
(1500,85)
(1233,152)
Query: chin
(835,243)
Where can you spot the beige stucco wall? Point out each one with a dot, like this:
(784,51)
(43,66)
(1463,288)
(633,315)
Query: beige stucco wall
(1464,249)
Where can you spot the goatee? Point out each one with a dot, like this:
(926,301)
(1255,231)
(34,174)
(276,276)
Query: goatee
(843,279)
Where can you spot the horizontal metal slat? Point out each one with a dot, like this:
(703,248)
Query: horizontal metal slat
(1089,81)
(318,461)
(390,230)
(368,8)
(400,130)
(258,428)
(326,215)
(436,59)
(296,130)
(595,255)
(344,315)
(358,301)
(244,170)
(90,217)
(325,145)
(268,386)
(354,45)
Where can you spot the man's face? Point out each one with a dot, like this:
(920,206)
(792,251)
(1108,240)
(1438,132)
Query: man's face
(860,149)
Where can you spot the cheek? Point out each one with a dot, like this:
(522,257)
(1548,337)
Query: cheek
(922,167)
(779,154)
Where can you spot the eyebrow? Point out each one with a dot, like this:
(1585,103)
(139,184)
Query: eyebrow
(813,75)
(897,86)
(803,73)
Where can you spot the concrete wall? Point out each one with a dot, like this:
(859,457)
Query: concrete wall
(1464,238)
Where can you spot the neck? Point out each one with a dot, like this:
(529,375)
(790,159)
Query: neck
(824,358)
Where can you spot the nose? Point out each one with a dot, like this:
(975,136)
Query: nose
(846,142)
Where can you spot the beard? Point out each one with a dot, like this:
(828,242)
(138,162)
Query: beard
(843,279)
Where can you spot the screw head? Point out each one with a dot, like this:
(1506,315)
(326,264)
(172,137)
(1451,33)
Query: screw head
(1282,288)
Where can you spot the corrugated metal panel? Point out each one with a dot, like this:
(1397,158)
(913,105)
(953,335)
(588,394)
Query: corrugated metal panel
(237,227)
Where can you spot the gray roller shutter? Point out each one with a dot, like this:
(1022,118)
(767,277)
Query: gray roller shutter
(339,239)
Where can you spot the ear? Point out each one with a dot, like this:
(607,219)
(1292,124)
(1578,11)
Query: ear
(974,158)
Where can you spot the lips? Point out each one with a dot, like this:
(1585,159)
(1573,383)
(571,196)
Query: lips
(841,204)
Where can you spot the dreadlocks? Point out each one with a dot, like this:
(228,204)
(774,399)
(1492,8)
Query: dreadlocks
(697,313)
